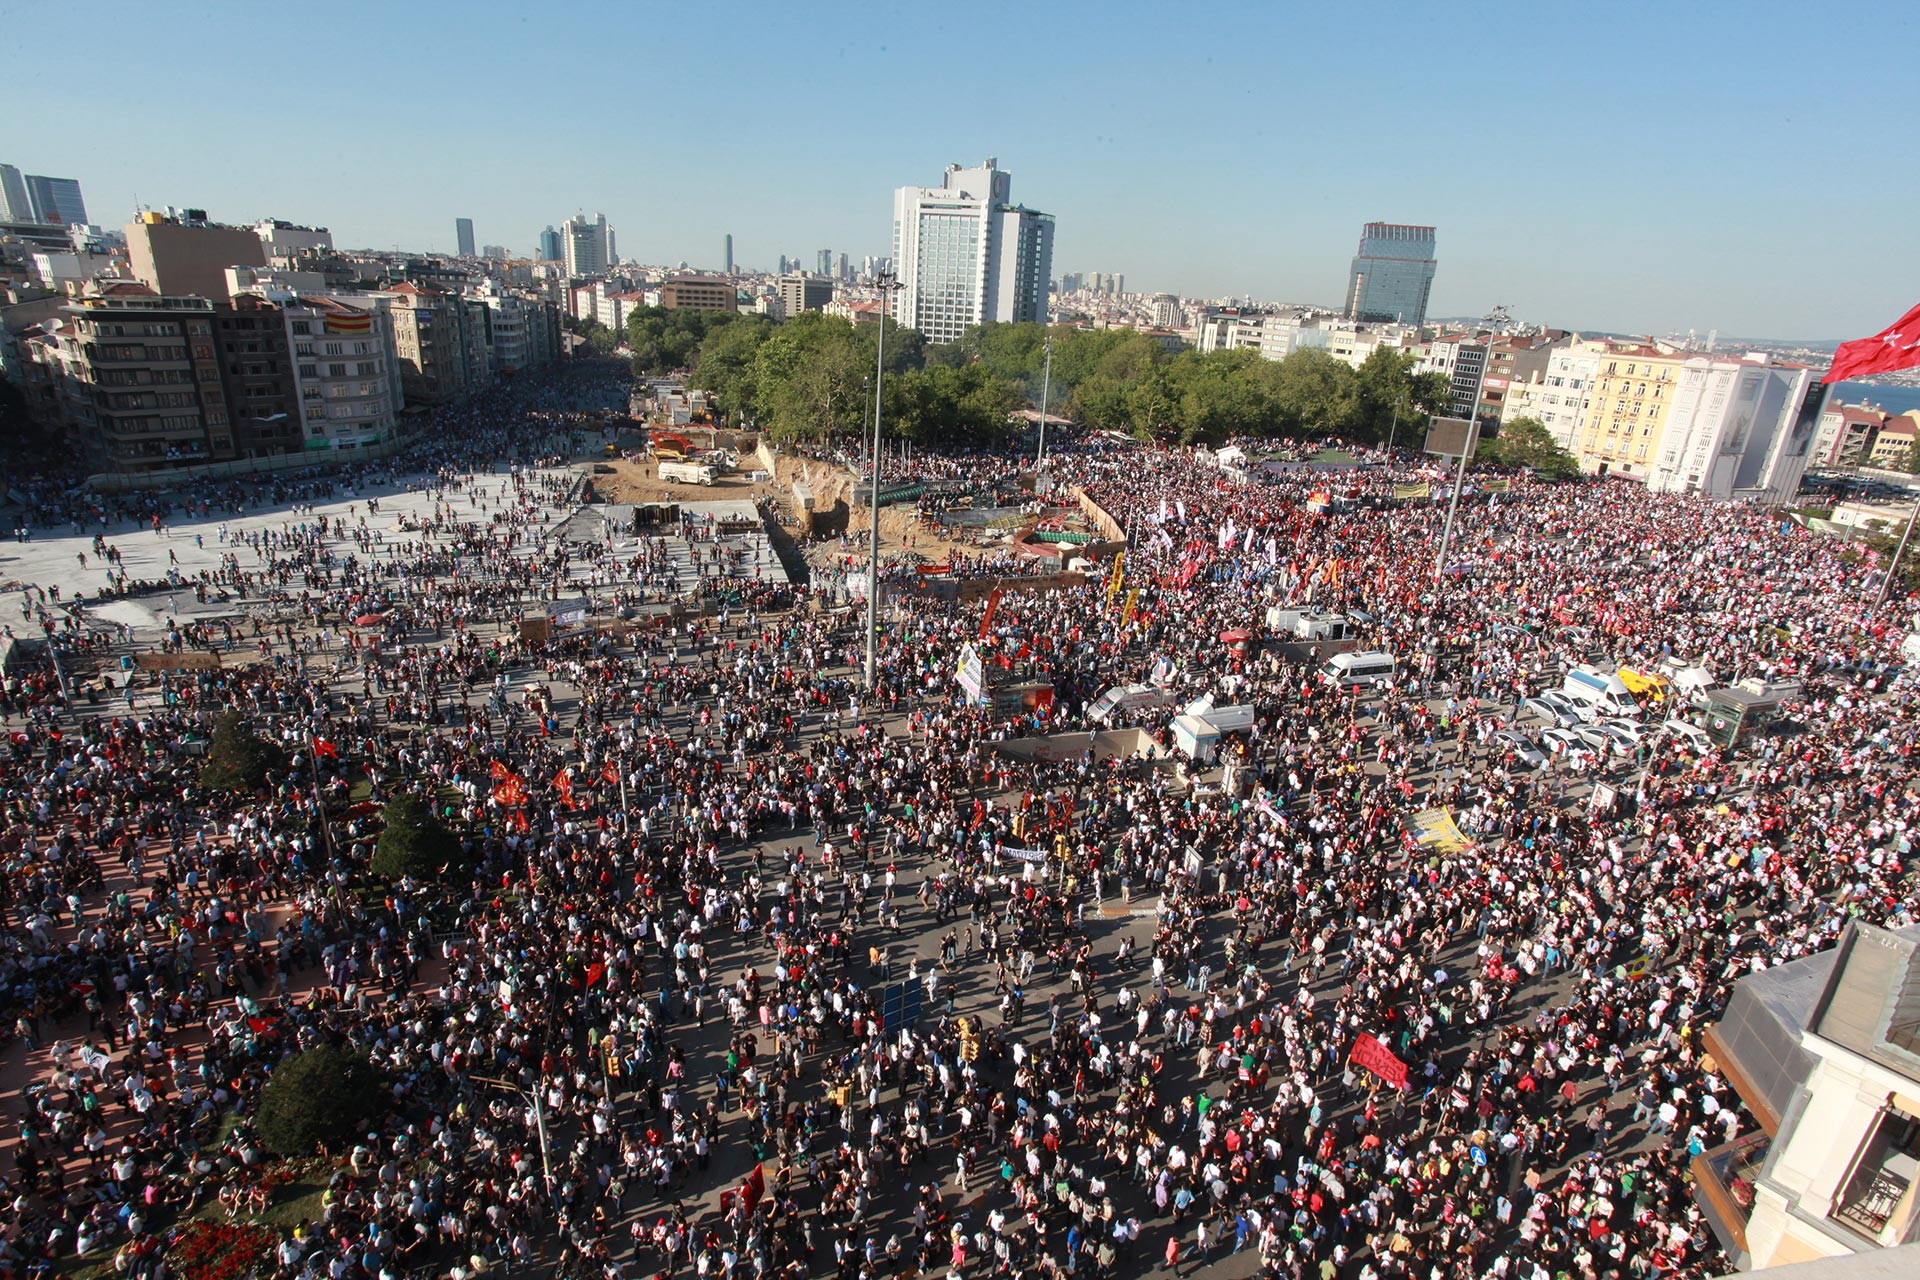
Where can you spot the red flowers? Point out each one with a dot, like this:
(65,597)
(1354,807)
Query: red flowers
(220,1251)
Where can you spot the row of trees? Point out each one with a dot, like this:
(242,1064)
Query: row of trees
(811,378)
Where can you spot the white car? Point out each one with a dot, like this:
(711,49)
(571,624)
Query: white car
(1560,741)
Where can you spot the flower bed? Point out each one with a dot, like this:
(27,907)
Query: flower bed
(220,1250)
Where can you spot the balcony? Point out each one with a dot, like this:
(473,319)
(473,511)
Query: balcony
(1724,1179)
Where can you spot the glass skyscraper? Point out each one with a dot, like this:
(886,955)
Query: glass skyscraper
(1392,274)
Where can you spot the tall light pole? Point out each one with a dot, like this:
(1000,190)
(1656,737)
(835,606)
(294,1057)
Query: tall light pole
(1893,565)
(887,285)
(539,1121)
(1046,385)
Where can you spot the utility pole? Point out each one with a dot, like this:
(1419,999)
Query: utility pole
(1893,566)
(887,285)
(539,1123)
(1046,385)
(1453,504)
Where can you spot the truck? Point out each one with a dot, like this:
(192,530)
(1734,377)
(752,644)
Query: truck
(1599,693)
(1305,624)
(687,472)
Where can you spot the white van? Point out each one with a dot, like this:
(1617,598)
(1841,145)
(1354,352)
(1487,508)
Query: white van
(1597,694)
(1693,735)
(1126,698)
(1351,670)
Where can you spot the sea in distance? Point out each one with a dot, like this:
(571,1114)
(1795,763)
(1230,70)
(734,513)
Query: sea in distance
(1890,397)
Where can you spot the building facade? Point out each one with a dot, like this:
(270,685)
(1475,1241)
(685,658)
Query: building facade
(966,254)
(1825,1053)
(463,237)
(1633,391)
(699,293)
(179,257)
(1392,275)
(549,250)
(15,204)
(144,383)
(1737,428)
(804,293)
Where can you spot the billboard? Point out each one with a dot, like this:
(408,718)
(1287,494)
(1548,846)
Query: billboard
(1451,437)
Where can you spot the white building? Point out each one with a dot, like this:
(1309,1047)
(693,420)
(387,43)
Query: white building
(1738,428)
(966,254)
(1825,1053)
(509,321)
(586,246)
(283,240)
(1562,395)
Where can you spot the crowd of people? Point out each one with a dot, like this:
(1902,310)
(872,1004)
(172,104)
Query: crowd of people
(745,969)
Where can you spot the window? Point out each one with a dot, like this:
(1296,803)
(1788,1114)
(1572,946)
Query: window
(336,349)
(336,371)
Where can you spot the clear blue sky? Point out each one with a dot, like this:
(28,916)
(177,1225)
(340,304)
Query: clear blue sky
(1746,167)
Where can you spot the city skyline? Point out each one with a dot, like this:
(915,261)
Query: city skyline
(1504,131)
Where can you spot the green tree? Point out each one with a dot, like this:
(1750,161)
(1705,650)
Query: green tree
(238,759)
(1313,394)
(602,339)
(324,1097)
(1526,442)
(414,843)
(726,364)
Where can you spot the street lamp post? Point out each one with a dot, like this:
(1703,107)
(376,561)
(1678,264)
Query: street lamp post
(1893,565)
(539,1123)
(887,284)
(1046,385)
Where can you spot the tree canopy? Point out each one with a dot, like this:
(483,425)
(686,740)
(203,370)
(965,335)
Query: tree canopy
(414,841)
(1526,442)
(811,379)
(323,1098)
(238,759)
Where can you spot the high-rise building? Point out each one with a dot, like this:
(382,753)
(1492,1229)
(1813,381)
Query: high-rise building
(549,250)
(1392,274)
(823,262)
(56,200)
(15,204)
(840,271)
(967,254)
(729,267)
(587,246)
(463,236)
(189,257)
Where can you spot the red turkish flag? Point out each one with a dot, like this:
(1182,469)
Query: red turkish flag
(1895,347)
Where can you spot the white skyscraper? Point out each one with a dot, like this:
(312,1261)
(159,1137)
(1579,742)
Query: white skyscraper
(588,246)
(965,254)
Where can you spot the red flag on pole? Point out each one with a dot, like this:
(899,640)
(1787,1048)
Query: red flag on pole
(321,747)
(1895,347)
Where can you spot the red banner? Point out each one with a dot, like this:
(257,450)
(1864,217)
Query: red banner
(993,605)
(1373,1056)
(933,570)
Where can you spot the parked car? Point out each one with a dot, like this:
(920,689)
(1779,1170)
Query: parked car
(1561,740)
(1514,741)
(1552,708)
